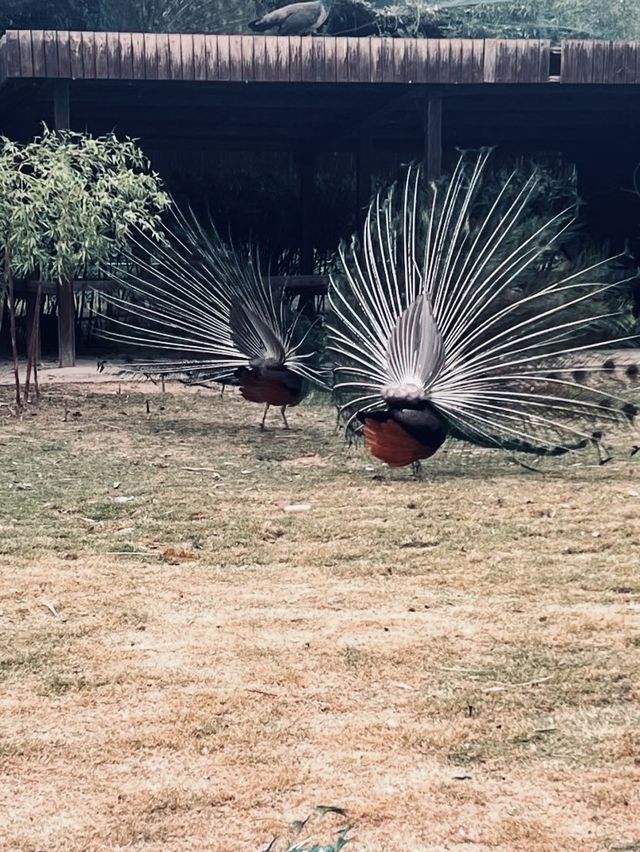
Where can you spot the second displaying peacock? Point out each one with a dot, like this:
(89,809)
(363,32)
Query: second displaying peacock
(209,308)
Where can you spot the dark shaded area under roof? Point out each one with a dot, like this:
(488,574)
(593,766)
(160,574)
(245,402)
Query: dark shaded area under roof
(188,96)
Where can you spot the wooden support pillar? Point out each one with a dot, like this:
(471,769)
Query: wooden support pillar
(363,174)
(433,137)
(66,301)
(61,110)
(306,159)
(306,170)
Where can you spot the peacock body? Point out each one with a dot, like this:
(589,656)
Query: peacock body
(208,308)
(447,323)
(294,19)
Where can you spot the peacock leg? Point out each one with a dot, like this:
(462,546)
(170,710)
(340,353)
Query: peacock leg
(284,416)
(604,455)
(416,469)
(264,417)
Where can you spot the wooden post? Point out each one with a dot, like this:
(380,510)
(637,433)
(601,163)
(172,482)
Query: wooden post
(66,303)
(66,324)
(307,170)
(363,175)
(433,137)
(306,165)
(61,110)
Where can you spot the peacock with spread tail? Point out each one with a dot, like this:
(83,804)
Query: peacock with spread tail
(448,321)
(209,308)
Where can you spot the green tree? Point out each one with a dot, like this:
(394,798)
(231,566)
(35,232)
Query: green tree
(68,205)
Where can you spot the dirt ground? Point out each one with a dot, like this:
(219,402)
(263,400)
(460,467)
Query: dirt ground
(208,633)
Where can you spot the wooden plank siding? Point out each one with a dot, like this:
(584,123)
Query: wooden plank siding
(600,62)
(151,56)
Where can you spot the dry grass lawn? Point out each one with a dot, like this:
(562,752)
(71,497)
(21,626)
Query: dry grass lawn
(184,665)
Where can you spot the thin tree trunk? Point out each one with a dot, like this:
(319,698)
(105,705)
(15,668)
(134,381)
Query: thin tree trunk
(37,346)
(66,323)
(81,311)
(32,359)
(12,322)
(3,297)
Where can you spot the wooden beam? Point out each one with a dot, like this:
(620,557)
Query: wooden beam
(311,284)
(61,109)
(307,168)
(66,300)
(433,137)
(363,175)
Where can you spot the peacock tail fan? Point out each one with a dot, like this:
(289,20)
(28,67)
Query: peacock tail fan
(200,309)
(462,298)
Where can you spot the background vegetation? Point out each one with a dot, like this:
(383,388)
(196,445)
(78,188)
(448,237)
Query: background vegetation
(553,19)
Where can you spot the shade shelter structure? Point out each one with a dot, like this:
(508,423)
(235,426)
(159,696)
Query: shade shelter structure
(193,97)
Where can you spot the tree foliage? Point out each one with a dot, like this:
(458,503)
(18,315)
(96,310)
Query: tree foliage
(68,201)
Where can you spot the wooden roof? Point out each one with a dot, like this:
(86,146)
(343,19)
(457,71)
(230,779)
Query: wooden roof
(216,58)
(218,92)
(161,56)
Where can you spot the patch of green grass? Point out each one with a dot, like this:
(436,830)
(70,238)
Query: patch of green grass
(59,684)
(23,663)
(356,659)
(105,511)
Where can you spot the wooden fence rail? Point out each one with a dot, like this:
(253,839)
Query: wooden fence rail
(308,285)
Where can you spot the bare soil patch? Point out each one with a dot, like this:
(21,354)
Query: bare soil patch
(185,665)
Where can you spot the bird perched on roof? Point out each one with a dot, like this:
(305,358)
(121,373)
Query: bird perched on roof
(221,321)
(448,322)
(295,19)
